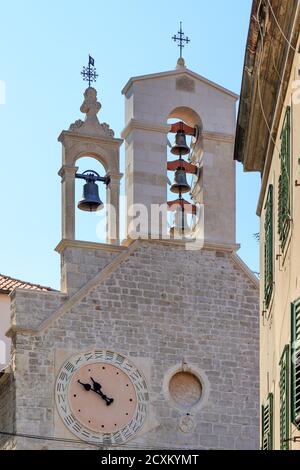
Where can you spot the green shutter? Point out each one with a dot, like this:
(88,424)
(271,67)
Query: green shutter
(284,201)
(284,400)
(295,364)
(267,424)
(269,247)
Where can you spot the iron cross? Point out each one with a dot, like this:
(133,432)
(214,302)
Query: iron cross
(89,73)
(181,39)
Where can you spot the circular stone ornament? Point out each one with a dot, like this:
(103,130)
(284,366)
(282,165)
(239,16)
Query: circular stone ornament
(186,388)
(102,397)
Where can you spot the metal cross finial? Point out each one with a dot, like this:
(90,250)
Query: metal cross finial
(181,39)
(89,73)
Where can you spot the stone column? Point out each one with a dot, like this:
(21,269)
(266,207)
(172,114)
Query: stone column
(113,213)
(67,174)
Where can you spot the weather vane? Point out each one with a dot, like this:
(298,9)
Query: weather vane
(89,73)
(181,39)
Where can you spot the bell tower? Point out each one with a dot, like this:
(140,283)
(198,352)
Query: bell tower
(88,138)
(151,101)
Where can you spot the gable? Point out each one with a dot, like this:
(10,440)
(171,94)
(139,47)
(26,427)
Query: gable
(137,275)
(182,74)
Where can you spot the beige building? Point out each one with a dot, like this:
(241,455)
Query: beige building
(268,141)
(151,342)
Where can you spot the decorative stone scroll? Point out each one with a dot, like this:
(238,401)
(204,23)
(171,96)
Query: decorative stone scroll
(91,125)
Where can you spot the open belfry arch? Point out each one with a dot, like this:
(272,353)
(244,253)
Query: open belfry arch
(161,339)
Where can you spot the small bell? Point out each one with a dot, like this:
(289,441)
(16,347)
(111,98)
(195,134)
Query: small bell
(180,147)
(90,201)
(181,227)
(180,184)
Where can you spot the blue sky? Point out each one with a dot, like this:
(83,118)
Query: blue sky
(44,46)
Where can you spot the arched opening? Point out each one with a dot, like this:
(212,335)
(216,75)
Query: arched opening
(190,118)
(90,226)
(188,115)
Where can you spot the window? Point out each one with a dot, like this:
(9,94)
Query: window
(267,424)
(284,400)
(284,201)
(295,364)
(269,247)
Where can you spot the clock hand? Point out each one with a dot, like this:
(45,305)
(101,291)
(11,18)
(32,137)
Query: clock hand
(97,389)
(97,386)
(87,387)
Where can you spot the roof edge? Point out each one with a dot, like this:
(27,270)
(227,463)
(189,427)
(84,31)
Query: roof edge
(24,285)
(175,72)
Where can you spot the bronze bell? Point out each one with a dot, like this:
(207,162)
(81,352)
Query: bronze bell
(90,201)
(180,147)
(181,227)
(180,184)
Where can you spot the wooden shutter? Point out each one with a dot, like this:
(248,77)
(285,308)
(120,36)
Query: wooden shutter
(268,274)
(284,205)
(284,400)
(295,363)
(267,424)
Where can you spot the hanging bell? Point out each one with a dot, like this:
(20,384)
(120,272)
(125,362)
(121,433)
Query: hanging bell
(180,184)
(90,201)
(181,227)
(180,147)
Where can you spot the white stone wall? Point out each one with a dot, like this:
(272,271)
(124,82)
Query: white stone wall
(158,306)
(182,94)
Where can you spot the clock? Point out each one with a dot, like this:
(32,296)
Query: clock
(102,397)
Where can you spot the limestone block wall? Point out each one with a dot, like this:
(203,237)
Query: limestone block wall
(158,306)
(81,261)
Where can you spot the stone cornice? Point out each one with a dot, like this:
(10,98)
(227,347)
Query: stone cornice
(144,125)
(68,171)
(35,291)
(208,245)
(88,138)
(63,244)
(218,137)
(165,129)
(243,267)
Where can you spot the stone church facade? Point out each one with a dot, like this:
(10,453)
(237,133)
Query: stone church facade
(178,326)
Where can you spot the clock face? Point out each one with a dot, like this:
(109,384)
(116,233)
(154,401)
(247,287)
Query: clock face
(108,407)
(102,397)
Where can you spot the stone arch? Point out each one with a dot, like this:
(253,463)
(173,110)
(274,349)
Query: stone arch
(188,115)
(96,156)
(99,153)
(193,119)
(106,152)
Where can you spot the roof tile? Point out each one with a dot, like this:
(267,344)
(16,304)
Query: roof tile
(8,284)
